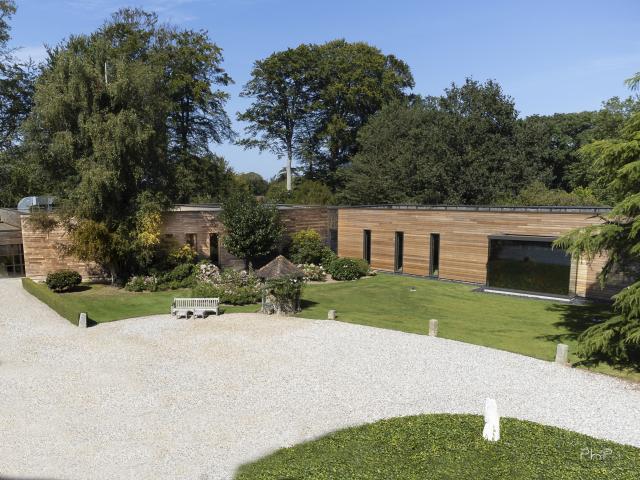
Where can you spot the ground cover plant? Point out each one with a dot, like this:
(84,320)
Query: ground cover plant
(449,446)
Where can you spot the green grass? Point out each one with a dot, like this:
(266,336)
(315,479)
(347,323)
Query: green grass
(448,447)
(104,303)
(526,326)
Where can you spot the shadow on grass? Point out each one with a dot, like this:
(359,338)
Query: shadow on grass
(575,319)
(307,304)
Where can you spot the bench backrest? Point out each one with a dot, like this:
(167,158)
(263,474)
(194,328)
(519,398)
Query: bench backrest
(195,302)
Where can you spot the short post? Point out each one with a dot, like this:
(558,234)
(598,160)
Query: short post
(332,315)
(433,327)
(562,354)
(82,321)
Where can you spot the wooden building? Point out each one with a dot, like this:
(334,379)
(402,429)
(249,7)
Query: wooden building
(464,243)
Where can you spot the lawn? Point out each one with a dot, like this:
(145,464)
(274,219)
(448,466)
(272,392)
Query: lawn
(520,325)
(104,303)
(448,446)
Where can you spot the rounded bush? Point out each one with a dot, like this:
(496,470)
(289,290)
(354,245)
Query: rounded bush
(348,268)
(306,247)
(63,280)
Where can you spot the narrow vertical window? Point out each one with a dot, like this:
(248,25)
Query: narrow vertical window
(214,245)
(434,260)
(366,246)
(399,251)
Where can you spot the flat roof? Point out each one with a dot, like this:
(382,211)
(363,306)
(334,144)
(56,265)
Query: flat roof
(488,208)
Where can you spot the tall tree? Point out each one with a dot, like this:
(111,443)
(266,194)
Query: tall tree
(616,340)
(118,120)
(283,88)
(461,147)
(310,102)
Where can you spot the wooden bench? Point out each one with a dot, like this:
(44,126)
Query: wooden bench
(181,307)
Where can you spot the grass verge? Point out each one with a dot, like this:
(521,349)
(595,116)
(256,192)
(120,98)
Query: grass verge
(104,303)
(448,447)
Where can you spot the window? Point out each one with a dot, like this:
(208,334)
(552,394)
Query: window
(528,264)
(333,240)
(399,251)
(191,239)
(434,259)
(366,245)
(214,245)
(11,261)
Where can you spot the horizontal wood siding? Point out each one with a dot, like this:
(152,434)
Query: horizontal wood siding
(464,239)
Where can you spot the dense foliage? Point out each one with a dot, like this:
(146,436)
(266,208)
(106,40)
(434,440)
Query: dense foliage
(344,268)
(283,295)
(252,229)
(63,280)
(448,447)
(309,102)
(232,287)
(306,247)
(617,339)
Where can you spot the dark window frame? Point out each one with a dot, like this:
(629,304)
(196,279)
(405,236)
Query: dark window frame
(366,246)
(398,256)
(215,259)
(434,255)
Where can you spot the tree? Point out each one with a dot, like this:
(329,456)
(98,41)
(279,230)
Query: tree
(253,182)
(252,229)
(617,339)
(462,147)
(120,125)
(283,89)
(310,102)
(306,192)
(537,193)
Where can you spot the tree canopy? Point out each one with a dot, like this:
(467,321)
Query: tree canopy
(463,147)
(310,102)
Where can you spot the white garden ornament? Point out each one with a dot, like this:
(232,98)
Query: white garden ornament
(491,430)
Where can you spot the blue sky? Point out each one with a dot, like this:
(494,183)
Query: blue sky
(551,56)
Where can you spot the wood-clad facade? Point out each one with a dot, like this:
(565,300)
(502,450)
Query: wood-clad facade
(464,235)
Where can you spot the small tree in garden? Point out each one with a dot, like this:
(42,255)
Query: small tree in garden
(252,229)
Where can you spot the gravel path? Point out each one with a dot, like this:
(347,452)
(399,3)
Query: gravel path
(161,398)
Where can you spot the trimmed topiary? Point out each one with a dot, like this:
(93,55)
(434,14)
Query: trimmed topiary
(63,280)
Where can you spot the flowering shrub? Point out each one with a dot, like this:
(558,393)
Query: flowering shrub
(184,254)
(313,273)
(141,284)
(207,272)
(348,268)
(231,286)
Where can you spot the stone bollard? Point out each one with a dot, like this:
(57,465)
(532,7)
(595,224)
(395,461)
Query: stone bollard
(82,321)
(332,315)
(433,327)
(562,354)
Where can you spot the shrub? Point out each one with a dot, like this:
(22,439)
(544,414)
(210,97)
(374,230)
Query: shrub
(328,256)
(348,268)
(306,247)
(182,255)
(207,272)
(63,280)
(313,273)
(141,284)
(231,286)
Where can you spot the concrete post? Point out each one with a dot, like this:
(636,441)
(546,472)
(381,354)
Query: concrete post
(332,315)
(433,327)
(562,354)
(82,321)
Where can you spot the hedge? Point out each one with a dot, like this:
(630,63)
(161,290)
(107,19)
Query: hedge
(53,300)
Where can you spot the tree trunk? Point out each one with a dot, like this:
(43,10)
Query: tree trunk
(289,171)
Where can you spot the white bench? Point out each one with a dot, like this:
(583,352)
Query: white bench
(181,307)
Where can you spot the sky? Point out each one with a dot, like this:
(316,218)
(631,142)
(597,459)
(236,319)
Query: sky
(550,56)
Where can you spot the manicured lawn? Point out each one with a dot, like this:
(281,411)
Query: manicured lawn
(448,447)
(104,303)
(525,326)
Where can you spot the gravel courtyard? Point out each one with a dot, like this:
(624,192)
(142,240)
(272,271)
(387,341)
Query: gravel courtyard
(157,397)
